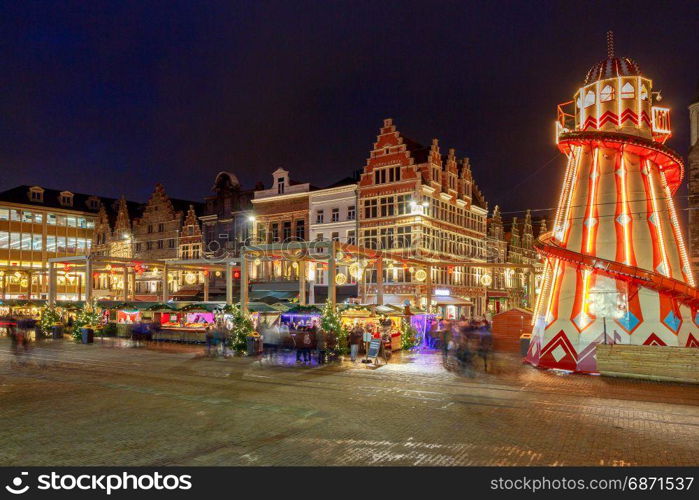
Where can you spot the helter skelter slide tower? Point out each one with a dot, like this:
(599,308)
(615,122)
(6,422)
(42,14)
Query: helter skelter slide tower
(616,266)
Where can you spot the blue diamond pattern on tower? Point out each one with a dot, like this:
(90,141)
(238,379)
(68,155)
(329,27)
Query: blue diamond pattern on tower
(672,321)
(629,321)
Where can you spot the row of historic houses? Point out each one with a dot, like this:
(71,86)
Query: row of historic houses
(409,201)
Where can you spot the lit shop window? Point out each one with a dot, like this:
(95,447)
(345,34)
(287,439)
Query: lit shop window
(607,94)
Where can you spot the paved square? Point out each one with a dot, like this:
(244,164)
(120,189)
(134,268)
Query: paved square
(109,404)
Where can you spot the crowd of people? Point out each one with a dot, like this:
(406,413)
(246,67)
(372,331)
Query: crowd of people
(461,342)
(18,329)
(306,341)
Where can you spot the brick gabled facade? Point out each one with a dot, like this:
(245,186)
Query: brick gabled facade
(191,241)
(415,201)
(156,232)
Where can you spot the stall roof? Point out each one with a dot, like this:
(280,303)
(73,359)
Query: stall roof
(202,306)
(271,296)
(299,309)
(280,306)
(261,307)
(160,306)
(22,302)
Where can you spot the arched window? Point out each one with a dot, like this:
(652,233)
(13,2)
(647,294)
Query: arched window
(589,98)
(644,93)
(627,91)
(607,94)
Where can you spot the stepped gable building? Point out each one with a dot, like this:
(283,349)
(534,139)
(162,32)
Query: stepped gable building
(510,287)
(226,218)
(415,201)
(156,235)
(496,252)
(113,234)
(693,169)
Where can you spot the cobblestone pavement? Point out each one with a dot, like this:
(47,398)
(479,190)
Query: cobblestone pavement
(111,404)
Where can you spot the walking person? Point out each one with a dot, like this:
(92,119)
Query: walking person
(270,342)
(445,338)
(355,339)
(209,340)
(14,336)
(321,345)
(306,343)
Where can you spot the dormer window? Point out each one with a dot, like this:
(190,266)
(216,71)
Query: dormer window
(66,199)
(36,194)
(93,203)
(280,185)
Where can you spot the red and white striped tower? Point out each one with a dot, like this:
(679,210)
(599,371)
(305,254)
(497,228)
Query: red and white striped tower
(616,264)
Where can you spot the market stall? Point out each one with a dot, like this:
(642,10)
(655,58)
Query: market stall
(421,321)
(188,323)
(263,315)
(16,312)
(363,315)
(298,317)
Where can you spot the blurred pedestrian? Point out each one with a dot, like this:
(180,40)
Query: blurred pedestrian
(321,345)
(355,338)
(209,334)
(270,342)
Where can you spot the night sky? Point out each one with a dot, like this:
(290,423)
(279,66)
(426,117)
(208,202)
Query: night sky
(112,97)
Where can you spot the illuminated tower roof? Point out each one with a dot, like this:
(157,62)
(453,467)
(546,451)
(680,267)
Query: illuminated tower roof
(612,66)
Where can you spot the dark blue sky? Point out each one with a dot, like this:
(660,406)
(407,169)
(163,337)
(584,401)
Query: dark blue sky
(111,97)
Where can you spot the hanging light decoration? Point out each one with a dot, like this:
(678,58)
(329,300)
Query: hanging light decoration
(339,255)
(190,278)
(340,279)
(486,280)
(355,270)
(421,275)
(218,274)
(257,262)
